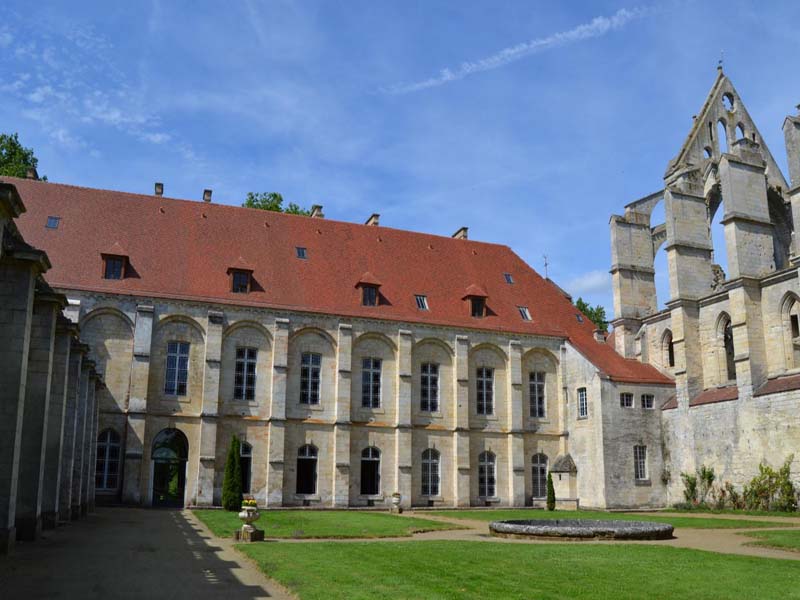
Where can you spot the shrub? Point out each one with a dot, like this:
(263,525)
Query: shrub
(737,501)
(551,493)
(705,480)
(689,488)
(771,489)
(232,481)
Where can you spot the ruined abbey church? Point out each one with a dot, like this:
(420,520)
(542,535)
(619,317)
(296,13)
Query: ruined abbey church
(357,361)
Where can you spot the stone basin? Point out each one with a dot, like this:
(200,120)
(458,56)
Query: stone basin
(582,529)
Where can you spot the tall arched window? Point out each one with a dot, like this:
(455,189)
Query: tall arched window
(539,473)
(430,472)
(722,136)
(107,467)
(667,350)
(370,471)
(486,475)
(306,470)
(246,463)
(790,312)
(727,366)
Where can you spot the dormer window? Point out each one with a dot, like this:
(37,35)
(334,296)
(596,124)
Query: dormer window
(477,307)
(240,281)
(52,222)
(302,253)
(369,295)
(524,313)
(422,301)
(509,278)
(114,267)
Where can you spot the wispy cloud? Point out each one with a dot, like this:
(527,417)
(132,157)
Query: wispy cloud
(597,27)
(593,282)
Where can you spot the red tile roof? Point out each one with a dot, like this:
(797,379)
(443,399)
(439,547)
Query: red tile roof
(779,384)
(670,404)
(183,249)
(722,394)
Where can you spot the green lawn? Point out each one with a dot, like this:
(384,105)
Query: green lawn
(451,569)
(321,524)
(693,522)
(785,540)
(731,511)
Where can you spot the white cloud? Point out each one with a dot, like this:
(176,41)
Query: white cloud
(5,39)
(592,282)
(597,27)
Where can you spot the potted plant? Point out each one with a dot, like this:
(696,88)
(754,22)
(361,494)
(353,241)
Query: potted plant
(249,514)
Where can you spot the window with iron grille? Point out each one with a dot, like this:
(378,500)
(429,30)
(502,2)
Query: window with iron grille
(648,401)
(430,472)
(539,479)
(583,404)
(310,367)
(244,380)
(177,373)
(640,463)
(429,387)
(486,475)
(536,391)
(626,400)
(371,383)
(485,389)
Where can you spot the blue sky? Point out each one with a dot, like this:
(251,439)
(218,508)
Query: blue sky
(529,122)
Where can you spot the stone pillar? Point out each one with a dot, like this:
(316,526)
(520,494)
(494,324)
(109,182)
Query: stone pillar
(403,433)
(93,448)
(89,441)
(81,414)
(77,353)
(461,459)
(34,426)
(137,406)
(204,492)
(341,434)
(65,333)
(791,134)
(17,279)
(277,417)
(516,408)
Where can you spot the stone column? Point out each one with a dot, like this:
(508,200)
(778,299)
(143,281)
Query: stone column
(81,414)
(77,353)
(16,307)
(137,406)
(277,417)
(34,424)
(516,447)
(93,449)
(403,433)
(204,492)
(89,441)
(461,458)
(65,333)
(341,433)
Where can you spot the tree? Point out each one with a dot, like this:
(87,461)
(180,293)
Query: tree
(232,481)
(551,493)
(15,159)
(273,201)
(596,314)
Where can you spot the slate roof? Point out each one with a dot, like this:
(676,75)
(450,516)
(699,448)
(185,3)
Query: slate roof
(183,249)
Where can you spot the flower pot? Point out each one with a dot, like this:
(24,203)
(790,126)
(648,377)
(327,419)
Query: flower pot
(249,515)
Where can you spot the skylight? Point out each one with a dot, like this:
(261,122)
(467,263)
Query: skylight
(301,252)
(524,313)
(422,301)
(509,278)
(579,317)
(52,222)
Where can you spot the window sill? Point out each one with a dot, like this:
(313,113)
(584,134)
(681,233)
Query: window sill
(311,406)
(430,414)
(371,411)
(432,498)
(312,497)
(371,497)
(642,483)
(539,420)
(489,498)
(491,417)
(586,418)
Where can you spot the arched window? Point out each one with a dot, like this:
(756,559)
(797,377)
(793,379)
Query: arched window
(722,136)
(306,470)
(246,463)
(667,349)
(790,312)
(107,467)
(486,475)
(539,480)
(370,471)
(430,472)
(740,134)
(727,101)
(725,348)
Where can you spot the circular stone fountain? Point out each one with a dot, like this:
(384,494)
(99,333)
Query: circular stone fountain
(582,529)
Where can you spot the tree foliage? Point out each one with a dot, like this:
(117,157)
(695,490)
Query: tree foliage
(232,480)
(551,493)
(596,314)
(273,201)
(15,159)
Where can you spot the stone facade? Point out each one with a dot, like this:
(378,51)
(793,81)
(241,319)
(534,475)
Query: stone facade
(730,340)
(47,393)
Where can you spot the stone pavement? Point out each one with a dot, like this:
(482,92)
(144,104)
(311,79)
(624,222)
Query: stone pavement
(132,553)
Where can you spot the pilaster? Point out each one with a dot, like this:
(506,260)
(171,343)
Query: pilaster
(461,468)
(77,353)
(81,415)
(89,441)
(277,423)
(461,384)
(341,430)
(204,491)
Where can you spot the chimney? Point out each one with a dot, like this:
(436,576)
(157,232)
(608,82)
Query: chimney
(461,234)
(159,188)
(316,212)
(31,173)
(373,219)
(206,195)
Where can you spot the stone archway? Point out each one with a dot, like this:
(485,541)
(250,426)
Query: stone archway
(170,453)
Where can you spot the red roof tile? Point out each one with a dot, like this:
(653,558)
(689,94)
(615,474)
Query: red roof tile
(183,249)
(475,291)
(779,384)
(369,279)
(670,404)
(722,394)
